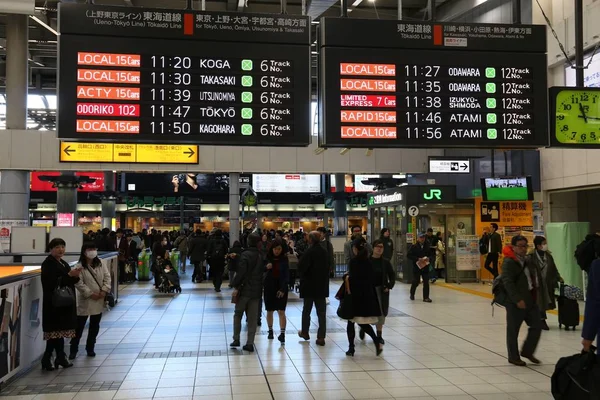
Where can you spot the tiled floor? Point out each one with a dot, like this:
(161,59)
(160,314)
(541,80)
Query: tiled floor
(176,347)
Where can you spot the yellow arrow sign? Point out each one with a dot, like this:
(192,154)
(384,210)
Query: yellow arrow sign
(88,152)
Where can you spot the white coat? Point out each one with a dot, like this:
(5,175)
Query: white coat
(87,285)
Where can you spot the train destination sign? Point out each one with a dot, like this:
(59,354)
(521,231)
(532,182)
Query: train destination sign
(432,85)
(178,76)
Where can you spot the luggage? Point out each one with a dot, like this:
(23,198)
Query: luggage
(571,292)
(568,313)
(576,377)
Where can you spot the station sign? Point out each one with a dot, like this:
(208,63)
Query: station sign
(182,76)
(386,84)
(449,166)
(94,152)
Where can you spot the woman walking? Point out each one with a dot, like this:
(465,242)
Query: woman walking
(59,313)
(92,288)
(276,287)
(440,258)
(543,259)
(360,283)
(385,279)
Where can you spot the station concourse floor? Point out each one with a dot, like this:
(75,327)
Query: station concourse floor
(177,347)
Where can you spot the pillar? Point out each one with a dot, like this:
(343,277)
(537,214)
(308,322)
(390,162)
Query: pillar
(109,202)
(66,195)
(234,207)
(17,71)
(340,204)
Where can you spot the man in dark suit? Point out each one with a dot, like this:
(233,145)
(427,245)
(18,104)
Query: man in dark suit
(313,269)
(523,282)
(494,250)
(417,253)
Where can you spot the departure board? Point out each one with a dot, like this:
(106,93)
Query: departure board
(186,81)
(437,90)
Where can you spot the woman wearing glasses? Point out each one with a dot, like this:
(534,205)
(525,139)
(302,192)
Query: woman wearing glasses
(385,280)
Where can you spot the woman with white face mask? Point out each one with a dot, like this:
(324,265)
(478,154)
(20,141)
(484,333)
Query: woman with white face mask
(94,283)
(544,260)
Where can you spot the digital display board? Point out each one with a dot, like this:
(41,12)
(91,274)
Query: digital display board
(286,183)
(176,76)
(398,84)
(507,189)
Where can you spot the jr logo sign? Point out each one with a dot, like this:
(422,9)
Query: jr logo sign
(433,194)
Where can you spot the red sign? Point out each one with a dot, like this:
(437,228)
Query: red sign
(41,186)
(65,219)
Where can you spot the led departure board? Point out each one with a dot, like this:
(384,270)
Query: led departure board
(429,85)
(183,77)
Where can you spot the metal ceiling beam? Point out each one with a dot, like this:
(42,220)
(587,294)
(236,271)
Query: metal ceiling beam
(318,7)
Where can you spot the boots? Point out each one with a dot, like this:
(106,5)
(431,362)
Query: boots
(61,357)
(47,361)
(90,351)
(350,351)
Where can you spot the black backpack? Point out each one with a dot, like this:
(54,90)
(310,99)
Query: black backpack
(219,252)
(585,254)
(483,246)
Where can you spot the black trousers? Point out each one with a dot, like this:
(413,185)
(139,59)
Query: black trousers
(217,272)
(199,271)
(57,345)
(417,274)
(92,331)
(492,258)
(122,277)
(321,306)
(514,319)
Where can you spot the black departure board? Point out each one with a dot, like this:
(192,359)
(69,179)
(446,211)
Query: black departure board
(173,76)
(432,85)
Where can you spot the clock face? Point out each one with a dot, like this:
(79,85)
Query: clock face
(578,116)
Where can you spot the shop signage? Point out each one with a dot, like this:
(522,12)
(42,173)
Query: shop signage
(87,152)
(437,166)
(65,219)
(377,199)
(437,194)
(433,194)
(413,211)
(151,201)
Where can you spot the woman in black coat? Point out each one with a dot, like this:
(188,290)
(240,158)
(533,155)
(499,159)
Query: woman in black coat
(360,283)
(58,323)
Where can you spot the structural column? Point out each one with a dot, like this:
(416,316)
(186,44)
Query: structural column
(340,204)
(234,207)
(109,201)
(14,185)
(66,195)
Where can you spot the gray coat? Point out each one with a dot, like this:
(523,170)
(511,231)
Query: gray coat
(552,277)
(89,284)
(516,283)
(249,275)
(349,254)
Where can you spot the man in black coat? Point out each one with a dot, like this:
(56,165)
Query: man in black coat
(416,253)
(197,252)
(313,269)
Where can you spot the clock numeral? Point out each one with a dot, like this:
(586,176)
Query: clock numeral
(585,97)
(583,136)
(593,136)
(573,135)
(564,128)
(560,117)
(566,107)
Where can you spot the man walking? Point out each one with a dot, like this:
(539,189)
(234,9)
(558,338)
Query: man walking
(328,247)
(197,251)
(313,269)
(181,243)
(419,255)
(523,283)
(494,249)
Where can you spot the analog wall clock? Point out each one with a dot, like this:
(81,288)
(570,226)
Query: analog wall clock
(574,117)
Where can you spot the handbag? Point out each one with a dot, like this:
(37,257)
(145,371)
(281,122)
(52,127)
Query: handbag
(109,298)
(63,296)
(345,309)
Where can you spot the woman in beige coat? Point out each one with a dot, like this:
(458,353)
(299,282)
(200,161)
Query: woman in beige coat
(94,283)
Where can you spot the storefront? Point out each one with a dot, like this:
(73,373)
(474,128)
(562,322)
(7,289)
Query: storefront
(406,211)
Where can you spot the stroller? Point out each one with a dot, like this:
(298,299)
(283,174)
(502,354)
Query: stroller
(168,278)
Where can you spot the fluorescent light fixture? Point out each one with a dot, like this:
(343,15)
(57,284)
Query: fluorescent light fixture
(39,64)
(368,152)
(42,23)
(356,3)
(344,151)
(319,150)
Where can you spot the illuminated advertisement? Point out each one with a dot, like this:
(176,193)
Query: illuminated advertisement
(183,76)
(38,185)
(286,183)
(451,85)
(353,183)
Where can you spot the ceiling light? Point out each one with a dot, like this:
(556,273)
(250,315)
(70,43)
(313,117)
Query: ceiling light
(42,23)
(319,150)
(344,151)
(368,152)
(356,3)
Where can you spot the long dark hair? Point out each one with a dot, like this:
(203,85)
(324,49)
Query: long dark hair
(83,260)
(276,243)
(361,245)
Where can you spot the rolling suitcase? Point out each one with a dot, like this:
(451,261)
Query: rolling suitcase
(568,313)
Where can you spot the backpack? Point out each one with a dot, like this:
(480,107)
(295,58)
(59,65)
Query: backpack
(219,251)
(499,292)
(483,246)
(585,254)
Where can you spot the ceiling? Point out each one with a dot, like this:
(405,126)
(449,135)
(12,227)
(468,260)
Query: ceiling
(43,42)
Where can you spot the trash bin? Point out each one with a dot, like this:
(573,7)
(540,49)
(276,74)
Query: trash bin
(175,260)
(144,265)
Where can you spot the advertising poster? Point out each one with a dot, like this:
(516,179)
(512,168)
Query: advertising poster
(286,183)
(6,226)
(37,185)
(467,253)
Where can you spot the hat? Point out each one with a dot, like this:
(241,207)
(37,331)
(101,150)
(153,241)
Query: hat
(422,234)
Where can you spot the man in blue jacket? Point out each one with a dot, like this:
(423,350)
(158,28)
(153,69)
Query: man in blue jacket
(591,323)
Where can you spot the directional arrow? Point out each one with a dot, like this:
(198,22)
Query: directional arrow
(190,152)
(465,166)
(68,150)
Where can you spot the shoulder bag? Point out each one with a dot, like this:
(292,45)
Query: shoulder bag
(63,296)
(109,298)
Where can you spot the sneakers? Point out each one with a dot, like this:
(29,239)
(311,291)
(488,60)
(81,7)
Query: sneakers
(303,335)
(271,336)
(248,347)
(320,342)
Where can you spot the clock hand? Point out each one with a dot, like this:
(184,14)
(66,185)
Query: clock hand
(585,118)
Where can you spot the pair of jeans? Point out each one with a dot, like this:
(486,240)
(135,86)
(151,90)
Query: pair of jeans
(321,306)
(514,319)
(250,307)
(492,258)
(417,274)
(182,261)
(93,331)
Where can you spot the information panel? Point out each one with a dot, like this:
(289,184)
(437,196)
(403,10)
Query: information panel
(430,85)
(183,77)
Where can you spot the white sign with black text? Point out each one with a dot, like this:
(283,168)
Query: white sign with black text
(449,166)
